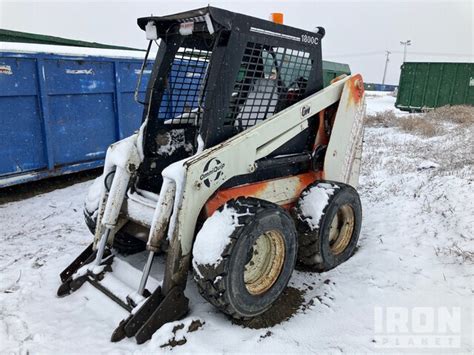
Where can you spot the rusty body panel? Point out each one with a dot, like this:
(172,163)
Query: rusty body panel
(342,160)
(283,191)
(356,89)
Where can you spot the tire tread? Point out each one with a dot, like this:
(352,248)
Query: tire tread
(309,253)
(212,286)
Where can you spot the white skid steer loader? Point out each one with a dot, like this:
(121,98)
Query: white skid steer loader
(243,166)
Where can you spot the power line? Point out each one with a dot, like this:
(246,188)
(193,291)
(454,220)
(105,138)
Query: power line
(374,53)
(354,54)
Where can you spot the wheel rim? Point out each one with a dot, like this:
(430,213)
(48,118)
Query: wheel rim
(340,232)
(266,262)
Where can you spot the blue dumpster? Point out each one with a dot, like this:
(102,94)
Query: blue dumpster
(22,140)
(59,112)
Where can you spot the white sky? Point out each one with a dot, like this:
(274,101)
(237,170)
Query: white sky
(357,32)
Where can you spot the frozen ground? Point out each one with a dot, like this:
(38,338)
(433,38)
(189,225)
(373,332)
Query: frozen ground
(415,250)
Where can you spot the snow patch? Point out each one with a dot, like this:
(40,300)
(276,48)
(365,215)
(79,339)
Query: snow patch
(136,298)
(382,101)
(175,140)
(94,194)
(144,197)
(93,268)
(200,142)
(174,172)
(118,153)
(213,237)
(139,142)
(313,203)
(71,51)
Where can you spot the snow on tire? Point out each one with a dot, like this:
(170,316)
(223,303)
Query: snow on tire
(328,218)
(244,255)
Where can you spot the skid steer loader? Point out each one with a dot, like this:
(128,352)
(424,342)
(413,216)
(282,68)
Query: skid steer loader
(244,165)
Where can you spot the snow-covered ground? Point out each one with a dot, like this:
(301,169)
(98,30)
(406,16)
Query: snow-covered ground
(414,258)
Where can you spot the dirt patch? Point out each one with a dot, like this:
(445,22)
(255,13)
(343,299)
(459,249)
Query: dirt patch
(282,310)
(195,325)
(266,335)
(173,341)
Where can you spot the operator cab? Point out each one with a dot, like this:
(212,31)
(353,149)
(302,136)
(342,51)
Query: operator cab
(216,74)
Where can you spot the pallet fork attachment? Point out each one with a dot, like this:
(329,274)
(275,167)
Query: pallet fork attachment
(144,319)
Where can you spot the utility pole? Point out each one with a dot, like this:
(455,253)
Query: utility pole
(387,53)
(405,44)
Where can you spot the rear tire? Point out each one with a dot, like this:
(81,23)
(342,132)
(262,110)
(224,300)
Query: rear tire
(256,261)
(331,240)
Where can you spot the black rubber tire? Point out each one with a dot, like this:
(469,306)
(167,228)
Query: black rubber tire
(124,243)
(223,284)
(314,251)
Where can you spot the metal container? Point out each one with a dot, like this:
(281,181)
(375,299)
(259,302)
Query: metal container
(429,85)
(332,70)
(59,113)
(379,87)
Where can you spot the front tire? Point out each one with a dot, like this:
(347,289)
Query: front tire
(124,243)
(255,260)
(329,216)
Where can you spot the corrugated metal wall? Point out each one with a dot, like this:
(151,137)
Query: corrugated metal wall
(431,85)
(59,114)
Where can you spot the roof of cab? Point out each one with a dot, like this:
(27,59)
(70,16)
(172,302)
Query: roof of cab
(221,18)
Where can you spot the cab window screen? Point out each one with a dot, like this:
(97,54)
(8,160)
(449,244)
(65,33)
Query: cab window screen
(269,80)
(183,97)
